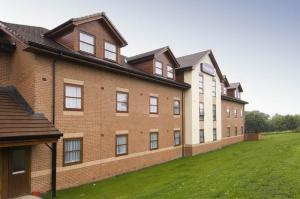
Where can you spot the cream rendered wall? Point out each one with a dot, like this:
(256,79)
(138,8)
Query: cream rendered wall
(192,100)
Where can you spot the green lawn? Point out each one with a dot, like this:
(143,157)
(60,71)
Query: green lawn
(269,168)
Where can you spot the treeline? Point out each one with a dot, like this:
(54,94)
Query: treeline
(256,121)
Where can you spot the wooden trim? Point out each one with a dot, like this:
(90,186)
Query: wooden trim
(175,100)
(81,31)
(156,105)
(27,142)
(82,97)
(177,131)
(151,149)
(81,151)
(117,51)
(122,92)
(116,144)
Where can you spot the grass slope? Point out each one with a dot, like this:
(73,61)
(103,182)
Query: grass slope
(269,168)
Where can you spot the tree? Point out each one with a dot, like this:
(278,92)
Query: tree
(256,121)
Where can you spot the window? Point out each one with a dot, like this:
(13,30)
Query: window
(18,161)
(214,134)
(214,88)
(201,136)
(177,139)
(235,131)
(158,68)
(214,112)
(237,94)
(201,111)
(73,97)
(228,112)
(122,102)
(170,72)
(72,151)
(153,105)
(153,141)
(110,51)
(87,43)
(235,113)
(242,112)
(201,84)
(224,91)
(228,131)
(242,130)
(176,107)
(121,145)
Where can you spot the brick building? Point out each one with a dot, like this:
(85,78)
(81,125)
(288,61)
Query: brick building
(74,110)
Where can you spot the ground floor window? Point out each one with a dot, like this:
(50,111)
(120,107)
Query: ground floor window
(121,145)
(201,136)
(242,130)
(177,138)
(235,131)
(72,151)
(153,140)
(214,134)
(228,132)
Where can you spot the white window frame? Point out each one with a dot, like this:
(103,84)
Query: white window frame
(158,69)
(201,83)
(86,43)
(108,52)
(170,72)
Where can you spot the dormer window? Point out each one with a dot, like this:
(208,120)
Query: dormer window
(158,68)
(237,94)
(170,72)
(110,51)
(87,43)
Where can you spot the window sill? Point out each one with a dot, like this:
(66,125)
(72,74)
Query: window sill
(153,115)
(176,116)
(73,113)
(122,114)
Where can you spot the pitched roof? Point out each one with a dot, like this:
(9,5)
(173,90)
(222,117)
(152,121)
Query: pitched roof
(84,19)
(33,37)
(191,60)
(236,85)
(19,124)
(233,99)
(152,54)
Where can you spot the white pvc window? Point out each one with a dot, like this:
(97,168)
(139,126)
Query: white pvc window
(73,97)
(170,72)
(87,43)
(158,68)
(110,51)
(72,150)
(201,84)
(214,88)
(153,105)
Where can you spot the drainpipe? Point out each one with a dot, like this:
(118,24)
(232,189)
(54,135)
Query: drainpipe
(182,124)
(54,145)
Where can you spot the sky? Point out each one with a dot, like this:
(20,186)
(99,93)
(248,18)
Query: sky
(255,42)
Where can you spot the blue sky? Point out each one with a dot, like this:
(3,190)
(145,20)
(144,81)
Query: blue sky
(256,42)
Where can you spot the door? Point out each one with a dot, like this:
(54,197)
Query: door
(19,171)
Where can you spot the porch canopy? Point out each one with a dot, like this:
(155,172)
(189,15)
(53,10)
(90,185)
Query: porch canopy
(19,126)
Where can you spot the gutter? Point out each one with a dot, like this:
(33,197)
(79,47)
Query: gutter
(35,47)
(224,97)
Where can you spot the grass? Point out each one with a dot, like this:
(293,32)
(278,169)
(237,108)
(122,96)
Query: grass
(269,168)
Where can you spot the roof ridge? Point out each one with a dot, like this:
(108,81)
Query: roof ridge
(193,54)
(88,16)
(157,49)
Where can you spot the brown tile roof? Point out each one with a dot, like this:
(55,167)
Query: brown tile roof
(233,99)
(236,85)
(191,60)
(18,124)
(146,54)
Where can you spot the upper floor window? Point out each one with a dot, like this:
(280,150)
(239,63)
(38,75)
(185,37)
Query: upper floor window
(73,97)
(224,91)
(201,88)
(122,102)
(153,106)
(72,151)
(86,43)
(214,88)
(201,111)
(110,51)
(237,94)
(176,107)
(242,112)
(228,112)
(158,68)
(121,145)
(214,112)
(235,113)
(170,72)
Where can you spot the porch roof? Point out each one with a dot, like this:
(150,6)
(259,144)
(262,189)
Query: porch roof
(19,126)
